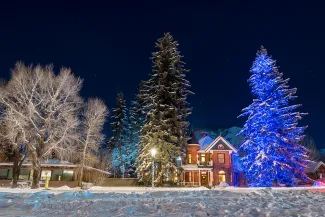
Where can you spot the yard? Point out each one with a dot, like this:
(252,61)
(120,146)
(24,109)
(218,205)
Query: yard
(136,201)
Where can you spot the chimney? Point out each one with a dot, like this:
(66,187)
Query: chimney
(203,134)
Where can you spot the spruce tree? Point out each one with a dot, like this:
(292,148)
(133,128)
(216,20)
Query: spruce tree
(165,95)
(272,136)
(118,144)
(137,118)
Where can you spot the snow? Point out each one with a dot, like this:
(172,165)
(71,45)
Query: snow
(141,201)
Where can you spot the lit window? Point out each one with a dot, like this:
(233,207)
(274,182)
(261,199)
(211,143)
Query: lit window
(190,177)
(222,176)
(221,158)
(203,157)
(189,158)
(45,173)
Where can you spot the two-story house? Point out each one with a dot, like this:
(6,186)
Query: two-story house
(211,161)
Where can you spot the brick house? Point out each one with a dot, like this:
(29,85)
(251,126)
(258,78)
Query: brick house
(209,162)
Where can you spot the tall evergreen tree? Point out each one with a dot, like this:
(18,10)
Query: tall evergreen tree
(137,119)
(118,144)
(272,136)
(165,95)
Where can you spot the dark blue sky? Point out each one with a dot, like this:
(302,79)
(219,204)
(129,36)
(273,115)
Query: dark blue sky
(109,45)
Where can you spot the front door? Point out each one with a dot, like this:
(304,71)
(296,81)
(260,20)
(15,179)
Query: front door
(204,178)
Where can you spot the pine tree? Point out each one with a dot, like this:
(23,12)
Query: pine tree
(165,95)
(272,135)
(137,118)
(118,144)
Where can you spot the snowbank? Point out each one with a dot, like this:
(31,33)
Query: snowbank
(160,202)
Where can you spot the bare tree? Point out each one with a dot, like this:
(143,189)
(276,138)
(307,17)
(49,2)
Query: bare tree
(11,140)
(44,107)
(313,152)
(13,148)
(92,126)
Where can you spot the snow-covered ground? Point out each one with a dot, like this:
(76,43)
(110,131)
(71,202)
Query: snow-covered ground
(104,201)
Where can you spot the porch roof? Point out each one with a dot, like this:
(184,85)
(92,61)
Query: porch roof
(59,166)
(190,167)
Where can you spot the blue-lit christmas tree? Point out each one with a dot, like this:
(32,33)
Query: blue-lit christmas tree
(272,136)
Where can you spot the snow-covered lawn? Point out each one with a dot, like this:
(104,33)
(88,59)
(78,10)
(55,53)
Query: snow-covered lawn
(123,201)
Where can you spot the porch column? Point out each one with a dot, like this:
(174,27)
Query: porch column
(208,178)
(211,174)
(199,177)
(184,178)
(193,178)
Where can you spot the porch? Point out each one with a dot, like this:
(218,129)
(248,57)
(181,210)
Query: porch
(197,177)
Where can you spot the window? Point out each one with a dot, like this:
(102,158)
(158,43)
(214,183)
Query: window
(179,161)
(45,173)
(24,174)
(221,158)
(220,146)
(3,173)
(56,175)
(189,158)
(203,157)
(67,175)
(222,176)
(10,174)
(210,158)
(190,177)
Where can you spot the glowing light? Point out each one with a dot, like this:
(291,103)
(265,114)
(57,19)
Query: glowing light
(153,152)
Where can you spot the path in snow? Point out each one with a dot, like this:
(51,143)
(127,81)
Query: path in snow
(232,202)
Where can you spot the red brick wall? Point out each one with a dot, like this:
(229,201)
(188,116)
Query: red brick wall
(226,167)
(193,150)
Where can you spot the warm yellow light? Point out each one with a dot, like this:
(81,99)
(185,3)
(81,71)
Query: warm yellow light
(153,152)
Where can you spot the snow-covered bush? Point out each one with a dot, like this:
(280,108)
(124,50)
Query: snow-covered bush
(223,184)
(318,183)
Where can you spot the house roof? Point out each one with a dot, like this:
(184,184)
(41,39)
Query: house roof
(45,165)
(220,140)
(193,139)
(205,142)
(314,166)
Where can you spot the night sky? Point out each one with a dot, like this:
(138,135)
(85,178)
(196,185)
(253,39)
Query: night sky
(110,44)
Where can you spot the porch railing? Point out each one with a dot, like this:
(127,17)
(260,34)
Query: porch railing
(205,163)
(190,184)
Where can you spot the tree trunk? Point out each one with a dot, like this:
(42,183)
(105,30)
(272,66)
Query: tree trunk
(15,170)
(36,171)
(83,162)
(81,176)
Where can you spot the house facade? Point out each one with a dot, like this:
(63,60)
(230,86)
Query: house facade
(316,170)
(60,173)
(209,162)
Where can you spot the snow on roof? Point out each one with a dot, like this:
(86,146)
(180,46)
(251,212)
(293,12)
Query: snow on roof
(205,142)
(43,164)
(314,166)
(10,164)
(55,161)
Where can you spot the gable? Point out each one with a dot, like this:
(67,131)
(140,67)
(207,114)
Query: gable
(221,144)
